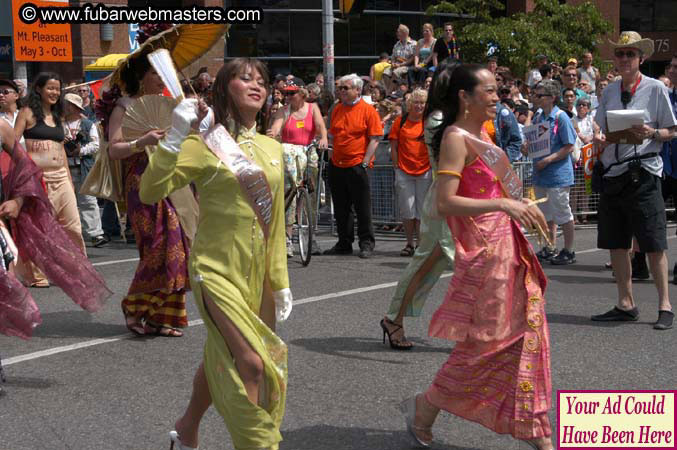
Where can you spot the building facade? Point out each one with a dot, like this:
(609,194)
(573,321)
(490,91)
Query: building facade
(290,38)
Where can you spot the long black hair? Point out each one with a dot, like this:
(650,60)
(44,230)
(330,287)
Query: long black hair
(451,80)
(35,100)
(134,73)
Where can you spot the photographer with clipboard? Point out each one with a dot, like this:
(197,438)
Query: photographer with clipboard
(628,177)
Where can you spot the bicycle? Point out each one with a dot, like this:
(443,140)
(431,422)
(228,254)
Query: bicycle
(300,192)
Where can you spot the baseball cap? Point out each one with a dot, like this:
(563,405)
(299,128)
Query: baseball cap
(572,61)
(294,85)
(10,83)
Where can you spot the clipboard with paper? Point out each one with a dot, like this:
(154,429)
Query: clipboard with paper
(619,123)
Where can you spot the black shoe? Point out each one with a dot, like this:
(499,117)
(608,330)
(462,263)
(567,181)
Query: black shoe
(546,254)
(617,315)
(664,321)
(100,241)
(366,252)
(563,258)
(336,250)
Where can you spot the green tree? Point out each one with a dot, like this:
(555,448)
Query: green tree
(559,31)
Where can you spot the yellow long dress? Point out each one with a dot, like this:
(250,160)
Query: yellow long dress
(229,259)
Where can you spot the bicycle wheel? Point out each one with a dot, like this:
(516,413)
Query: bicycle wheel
(304,225)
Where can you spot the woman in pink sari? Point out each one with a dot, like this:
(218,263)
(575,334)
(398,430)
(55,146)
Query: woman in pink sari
(498,374)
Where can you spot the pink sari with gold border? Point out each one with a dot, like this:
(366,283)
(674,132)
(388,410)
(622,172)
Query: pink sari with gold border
(498,374)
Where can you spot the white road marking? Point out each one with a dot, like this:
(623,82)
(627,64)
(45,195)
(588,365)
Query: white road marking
(318,298)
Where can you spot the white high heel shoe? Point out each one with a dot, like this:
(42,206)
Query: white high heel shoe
(174,439)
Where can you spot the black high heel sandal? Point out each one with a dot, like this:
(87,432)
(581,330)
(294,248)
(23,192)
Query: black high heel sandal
(394,344)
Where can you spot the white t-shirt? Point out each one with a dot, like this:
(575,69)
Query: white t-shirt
(651,97)
(534,77)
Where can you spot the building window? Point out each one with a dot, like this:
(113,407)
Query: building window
(362,36)
(306,34)
(636,15)
(666,15)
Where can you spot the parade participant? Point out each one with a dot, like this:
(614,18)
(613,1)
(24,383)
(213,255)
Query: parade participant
(631,202)
(40,239)
(494,308)
(156,300)
(40,122)
(238,265)
(18,312)
(9,95)
(435,251)
(297,124)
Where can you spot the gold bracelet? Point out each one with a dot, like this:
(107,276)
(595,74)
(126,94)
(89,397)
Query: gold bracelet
(132,146)
(453,173)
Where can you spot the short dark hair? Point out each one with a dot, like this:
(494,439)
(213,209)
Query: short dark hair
(448,24)
(545,69)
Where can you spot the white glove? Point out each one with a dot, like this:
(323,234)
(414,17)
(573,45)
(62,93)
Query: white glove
(183,115)
(283,304)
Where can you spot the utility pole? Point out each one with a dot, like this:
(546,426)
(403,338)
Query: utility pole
(328,44)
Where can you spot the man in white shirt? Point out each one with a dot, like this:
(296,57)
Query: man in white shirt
(535,73)
(82,143)
(631,202)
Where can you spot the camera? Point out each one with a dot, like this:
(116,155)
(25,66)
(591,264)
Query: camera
(72,144)
(634,168)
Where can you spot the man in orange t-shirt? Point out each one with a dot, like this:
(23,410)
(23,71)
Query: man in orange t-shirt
(355,130)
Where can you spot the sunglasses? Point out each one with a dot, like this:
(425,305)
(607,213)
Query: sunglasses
(343,88)
(7,91)
(542,95)
(288,94)
(627,53)
(580,105)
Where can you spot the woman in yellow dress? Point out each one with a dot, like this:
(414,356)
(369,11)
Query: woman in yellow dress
(238,262)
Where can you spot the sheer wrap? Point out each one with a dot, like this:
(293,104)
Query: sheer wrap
(41,239)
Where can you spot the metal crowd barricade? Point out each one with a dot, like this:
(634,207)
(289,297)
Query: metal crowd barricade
(583,204)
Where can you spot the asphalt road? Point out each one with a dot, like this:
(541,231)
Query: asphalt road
(106,390)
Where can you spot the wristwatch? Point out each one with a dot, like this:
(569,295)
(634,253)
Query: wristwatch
(656,135)
(364,165)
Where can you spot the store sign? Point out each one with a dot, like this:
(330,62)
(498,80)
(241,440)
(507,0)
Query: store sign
(38,42)
(5,49)
(133,32)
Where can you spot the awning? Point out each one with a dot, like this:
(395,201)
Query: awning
(106,63)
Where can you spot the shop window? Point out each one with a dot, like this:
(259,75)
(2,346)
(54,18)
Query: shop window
(242,41)
(386,5)
(305,4)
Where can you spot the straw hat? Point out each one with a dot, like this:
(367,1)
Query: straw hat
(632,39)
(74,99)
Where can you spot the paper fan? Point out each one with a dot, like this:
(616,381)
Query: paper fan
(150,112)
(163,65)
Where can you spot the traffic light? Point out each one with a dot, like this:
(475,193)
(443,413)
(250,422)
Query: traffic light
(352,7)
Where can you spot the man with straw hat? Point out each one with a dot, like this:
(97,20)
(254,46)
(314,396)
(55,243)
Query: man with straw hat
(631,203)
(82,143)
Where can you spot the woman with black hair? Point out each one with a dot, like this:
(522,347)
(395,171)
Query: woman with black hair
(435,251)
(238,264)
(40,123)
(156,300)
(498,373)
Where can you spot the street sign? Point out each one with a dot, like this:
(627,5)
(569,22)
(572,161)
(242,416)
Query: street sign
(38,42)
